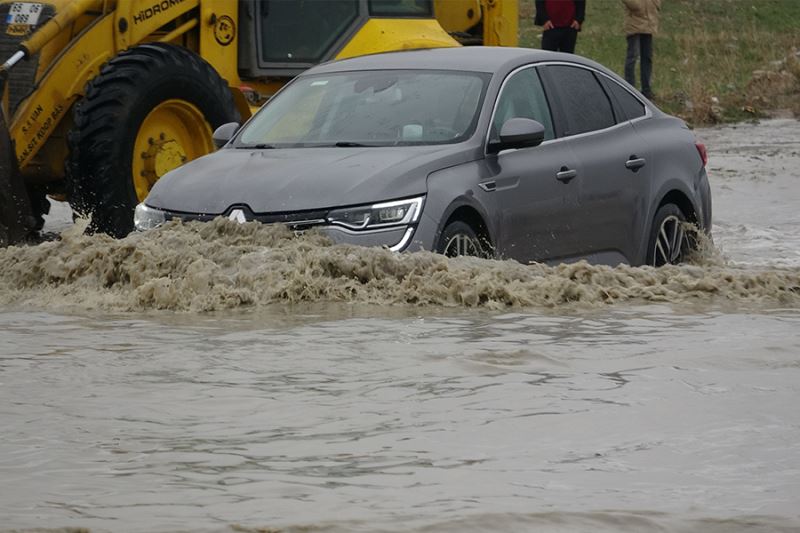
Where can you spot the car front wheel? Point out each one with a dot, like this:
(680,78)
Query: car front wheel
(669,241)
(459,239)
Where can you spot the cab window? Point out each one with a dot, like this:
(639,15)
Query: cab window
(401,8)
(522,96)
(302,32)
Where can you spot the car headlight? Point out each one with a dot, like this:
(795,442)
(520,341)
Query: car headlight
(386,214)
(145,218)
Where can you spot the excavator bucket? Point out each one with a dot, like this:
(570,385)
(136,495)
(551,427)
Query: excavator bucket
(16,216)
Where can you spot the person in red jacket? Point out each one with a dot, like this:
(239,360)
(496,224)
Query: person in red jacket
(561,21)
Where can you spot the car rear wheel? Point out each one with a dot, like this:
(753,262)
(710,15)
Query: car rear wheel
(459,239)
(669,241)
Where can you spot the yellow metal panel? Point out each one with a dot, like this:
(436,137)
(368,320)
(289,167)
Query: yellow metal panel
(384,35)
(48,163)
(60,21)
(122,17)
(219,36)
(457,15)
(500,22)
(179,31)
(140,18)
(35,120)
(56,46)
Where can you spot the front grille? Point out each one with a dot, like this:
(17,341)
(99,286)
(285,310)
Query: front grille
(23,75)
(296,220)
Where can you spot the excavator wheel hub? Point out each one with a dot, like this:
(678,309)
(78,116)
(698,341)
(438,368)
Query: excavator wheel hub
(174,132)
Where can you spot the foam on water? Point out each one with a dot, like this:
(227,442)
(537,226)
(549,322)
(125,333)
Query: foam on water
(223,265)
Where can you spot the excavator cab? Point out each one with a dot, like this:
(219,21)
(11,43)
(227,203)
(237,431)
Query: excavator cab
(273,45)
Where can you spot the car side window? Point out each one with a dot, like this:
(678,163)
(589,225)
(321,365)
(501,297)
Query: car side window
(523,97)
(630,105)
(583,100)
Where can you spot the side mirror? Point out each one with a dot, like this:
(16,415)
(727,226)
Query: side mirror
(224,133)
(518,133)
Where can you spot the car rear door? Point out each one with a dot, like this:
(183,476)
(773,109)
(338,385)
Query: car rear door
(535,190)
(612,161)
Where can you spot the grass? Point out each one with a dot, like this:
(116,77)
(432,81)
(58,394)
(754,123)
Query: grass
(714,60)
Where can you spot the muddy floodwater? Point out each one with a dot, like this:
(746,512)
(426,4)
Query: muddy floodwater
(226,378)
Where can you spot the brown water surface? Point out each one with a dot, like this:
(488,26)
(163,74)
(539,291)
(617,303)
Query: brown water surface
(221,378)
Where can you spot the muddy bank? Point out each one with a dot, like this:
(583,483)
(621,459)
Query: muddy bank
(223,265)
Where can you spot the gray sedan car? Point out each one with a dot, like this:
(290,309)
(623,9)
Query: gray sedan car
(495,152)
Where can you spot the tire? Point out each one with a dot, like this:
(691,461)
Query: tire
(459,239)
(669,242)
(150,109)
(17,221)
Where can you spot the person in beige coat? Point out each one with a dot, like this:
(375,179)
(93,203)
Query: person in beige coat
(641,23)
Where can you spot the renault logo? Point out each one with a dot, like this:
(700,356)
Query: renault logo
(237,215)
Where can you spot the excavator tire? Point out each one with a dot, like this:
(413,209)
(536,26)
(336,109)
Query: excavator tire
(16,216)
(151,108)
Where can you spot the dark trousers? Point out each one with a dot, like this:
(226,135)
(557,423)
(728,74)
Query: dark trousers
(560,40)
(640,44)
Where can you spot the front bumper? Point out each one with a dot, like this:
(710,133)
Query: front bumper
(397,239)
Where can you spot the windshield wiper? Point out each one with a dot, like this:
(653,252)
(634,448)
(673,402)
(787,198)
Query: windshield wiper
(259,146)
(351,144)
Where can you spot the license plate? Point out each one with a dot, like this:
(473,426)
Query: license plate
(24,13)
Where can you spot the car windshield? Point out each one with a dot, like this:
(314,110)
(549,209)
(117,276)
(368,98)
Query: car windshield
(369,108)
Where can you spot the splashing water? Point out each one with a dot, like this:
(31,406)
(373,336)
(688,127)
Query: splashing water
(223,265)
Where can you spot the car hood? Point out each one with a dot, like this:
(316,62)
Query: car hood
(298,179)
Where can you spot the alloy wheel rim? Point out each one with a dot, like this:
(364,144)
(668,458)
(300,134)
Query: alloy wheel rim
(462,245)
(670,242)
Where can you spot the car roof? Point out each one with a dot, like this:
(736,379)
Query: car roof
(465,58)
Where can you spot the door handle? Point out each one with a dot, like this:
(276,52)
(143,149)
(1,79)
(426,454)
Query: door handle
(565,174)
(634,163)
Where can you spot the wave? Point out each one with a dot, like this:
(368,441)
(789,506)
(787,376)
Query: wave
(223,265)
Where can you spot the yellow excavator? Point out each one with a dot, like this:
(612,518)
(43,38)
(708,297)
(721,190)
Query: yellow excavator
(102,97)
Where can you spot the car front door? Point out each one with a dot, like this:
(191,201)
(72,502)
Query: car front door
(612,162)
(535,188)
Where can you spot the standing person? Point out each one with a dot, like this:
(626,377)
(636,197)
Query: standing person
(641,22)
(561,21)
